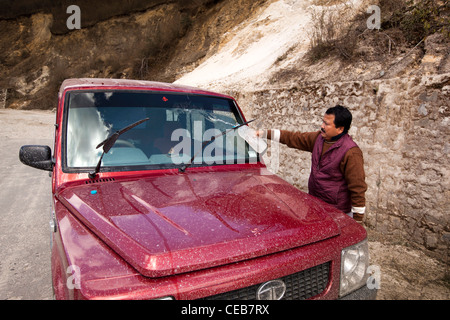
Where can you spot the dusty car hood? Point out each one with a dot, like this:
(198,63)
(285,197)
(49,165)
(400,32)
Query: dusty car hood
(176,223)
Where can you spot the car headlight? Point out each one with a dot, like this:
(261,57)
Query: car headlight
(354,263)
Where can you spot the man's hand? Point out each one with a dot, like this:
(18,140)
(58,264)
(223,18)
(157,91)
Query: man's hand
(260,133)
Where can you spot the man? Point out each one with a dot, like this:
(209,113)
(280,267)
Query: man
(337,166)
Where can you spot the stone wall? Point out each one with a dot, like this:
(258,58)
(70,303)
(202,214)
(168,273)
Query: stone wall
(402,126)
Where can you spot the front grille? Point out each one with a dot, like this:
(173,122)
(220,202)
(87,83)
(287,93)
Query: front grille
(299,286)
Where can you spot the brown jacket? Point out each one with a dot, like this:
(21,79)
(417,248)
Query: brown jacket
(352,165)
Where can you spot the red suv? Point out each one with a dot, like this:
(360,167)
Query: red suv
(156,195)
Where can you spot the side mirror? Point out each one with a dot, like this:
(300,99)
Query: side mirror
(39,157)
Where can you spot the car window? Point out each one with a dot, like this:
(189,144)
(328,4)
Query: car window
(177,128)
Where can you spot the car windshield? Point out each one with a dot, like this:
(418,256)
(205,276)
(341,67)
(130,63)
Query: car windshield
(178,129)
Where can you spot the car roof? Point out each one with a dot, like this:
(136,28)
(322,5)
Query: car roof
(98,83)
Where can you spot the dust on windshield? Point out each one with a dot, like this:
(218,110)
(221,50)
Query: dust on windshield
(177,127)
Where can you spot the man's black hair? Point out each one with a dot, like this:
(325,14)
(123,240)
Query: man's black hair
(342,117)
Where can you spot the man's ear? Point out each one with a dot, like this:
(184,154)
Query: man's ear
(340,129)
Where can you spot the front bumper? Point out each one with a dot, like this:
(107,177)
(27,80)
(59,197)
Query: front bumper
(363,293)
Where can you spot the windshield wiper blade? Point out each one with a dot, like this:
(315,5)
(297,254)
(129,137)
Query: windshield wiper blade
(205,143)
(109,142)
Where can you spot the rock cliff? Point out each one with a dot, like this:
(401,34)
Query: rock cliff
(154,40)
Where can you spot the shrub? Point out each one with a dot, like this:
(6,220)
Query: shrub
(418,19)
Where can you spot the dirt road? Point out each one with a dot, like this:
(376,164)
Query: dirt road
(24,208)
(25,233)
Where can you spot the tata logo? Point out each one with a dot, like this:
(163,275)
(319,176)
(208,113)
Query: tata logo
(271,290)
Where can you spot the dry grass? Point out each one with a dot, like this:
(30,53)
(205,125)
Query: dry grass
(338,32)
(334,32)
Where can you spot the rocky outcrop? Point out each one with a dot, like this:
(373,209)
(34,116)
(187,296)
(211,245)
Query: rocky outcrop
(154,40)
(92,12)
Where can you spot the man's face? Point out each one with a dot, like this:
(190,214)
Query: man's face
(328,128)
